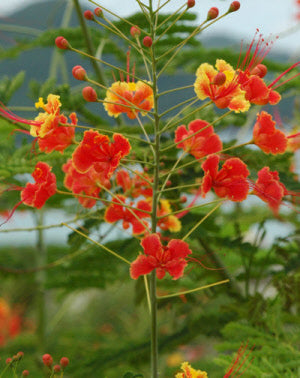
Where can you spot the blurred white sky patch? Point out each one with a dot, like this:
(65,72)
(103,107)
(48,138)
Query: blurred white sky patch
(276,17)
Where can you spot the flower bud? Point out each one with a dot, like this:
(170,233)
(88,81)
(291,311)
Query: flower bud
(8,361)
(183,199)
(25,373)
(147,41)
(47,360)
(88,14)
(20,355)
(79,73)
(259,70)
(234,6)
(169,183)
(56,368)
(89,94)
(135,31)
(98,12)
(219,79)
(212,13)
(190,3)
(64,361)
(62,43)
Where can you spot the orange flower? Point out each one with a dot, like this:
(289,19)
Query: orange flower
(189,372)
(36,195)
(169,222)
(96,150)
(205,142)
(294,140)
(47,127)
(84,183)
(266,137)
(221,86)
(169,259)
(269,188)
(134,186)
(116,211)
(230,182)
(10,322)
(128,97)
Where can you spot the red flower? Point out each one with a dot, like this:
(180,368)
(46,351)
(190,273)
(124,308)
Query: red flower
(251,73)
(36,195)
(116,211)
(134,186)
(230,182)
(10,322)
(84,183)
(169,259)
(47,127)
(269,188)
(266,137)
(204,143)
(95,150)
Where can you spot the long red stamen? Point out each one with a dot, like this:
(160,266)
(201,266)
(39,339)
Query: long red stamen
(293,136)
(128,65)
(6,113)
(284,73)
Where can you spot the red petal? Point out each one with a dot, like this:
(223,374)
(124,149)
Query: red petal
(176,268)
(142,265)
(178,249)
(152,245)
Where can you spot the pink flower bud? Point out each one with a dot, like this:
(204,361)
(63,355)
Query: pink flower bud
(190,3)
(62,43)
(8,361)
(219,79)
(89,94)
(88,15)
(79,73)
(64,361)
(20,355)
(135,31)
(56,368)
(47,360)
(169,183)
(98,12)
(259,70)
(25,373)
(212,13)
(234,6)
(147,41)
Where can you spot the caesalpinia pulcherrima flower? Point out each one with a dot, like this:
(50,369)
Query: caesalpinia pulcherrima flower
(36,194)
(116,211)
(221,86)
(267,137)
(128,97)
(96,150)
(134,186)
(269,188)
(205,142)
(251,72)
(84,183)
(10,322)
(171,259)
(167,222)
(230,182)
(189,372)
(48,127)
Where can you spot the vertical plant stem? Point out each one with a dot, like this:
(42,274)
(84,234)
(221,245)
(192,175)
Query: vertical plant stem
(41,260)
(152,281)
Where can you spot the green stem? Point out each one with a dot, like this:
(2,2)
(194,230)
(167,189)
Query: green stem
(162,5)
(194,99)
(173,23)
(89,43)
(152,279)
(202,220)
(192,290)
(175,90)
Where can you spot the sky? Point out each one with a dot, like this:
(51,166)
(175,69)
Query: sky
(272,17)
